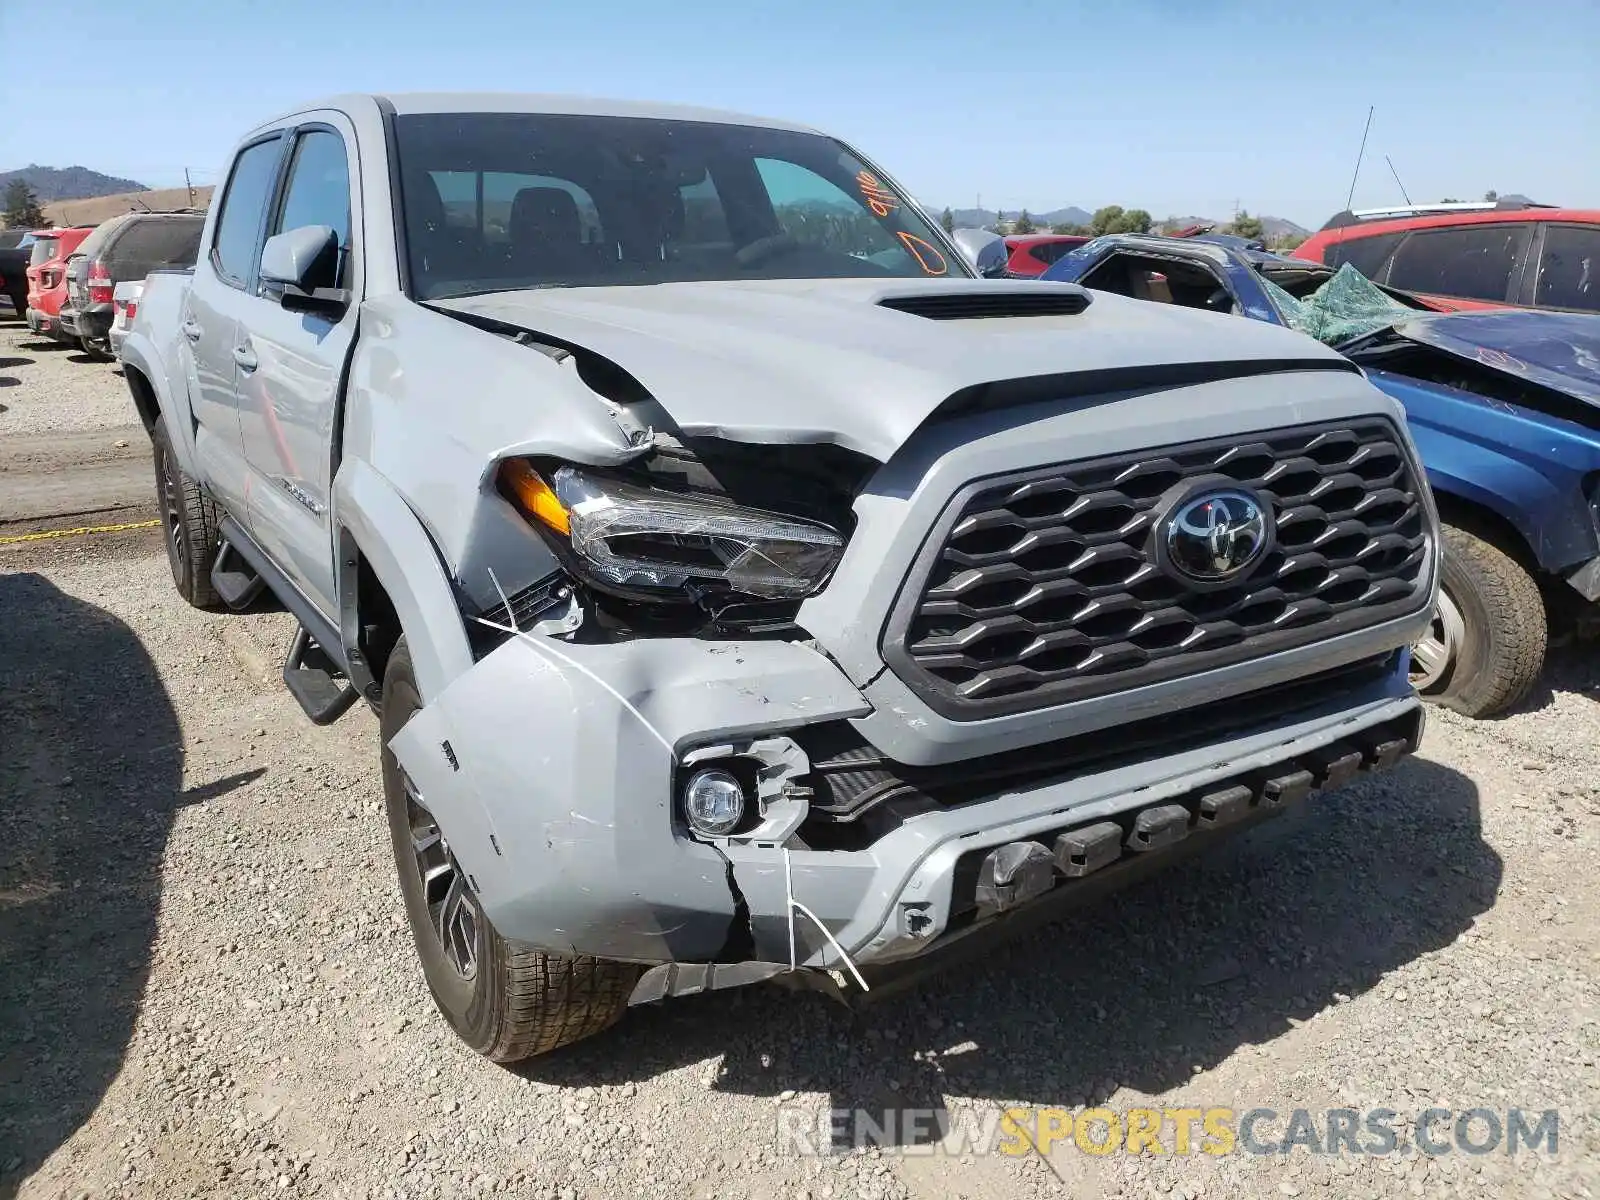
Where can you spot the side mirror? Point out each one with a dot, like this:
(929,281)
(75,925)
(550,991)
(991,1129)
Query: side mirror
(993,260)
(986,251)
(300,268)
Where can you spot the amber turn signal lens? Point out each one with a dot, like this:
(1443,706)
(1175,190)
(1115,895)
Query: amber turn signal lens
(533,496)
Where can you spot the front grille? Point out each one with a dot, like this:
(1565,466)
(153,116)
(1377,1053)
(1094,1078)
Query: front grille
(1043,587)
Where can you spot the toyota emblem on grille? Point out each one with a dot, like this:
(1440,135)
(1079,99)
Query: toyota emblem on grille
(1217,535)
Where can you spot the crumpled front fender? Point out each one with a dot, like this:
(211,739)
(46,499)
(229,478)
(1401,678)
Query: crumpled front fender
(549,768)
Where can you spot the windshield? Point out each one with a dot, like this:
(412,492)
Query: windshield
(43,251)
(497,201)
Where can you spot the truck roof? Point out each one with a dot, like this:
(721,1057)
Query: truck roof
(530,102)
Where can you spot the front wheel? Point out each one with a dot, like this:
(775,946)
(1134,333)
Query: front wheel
(1486,645)
(506,1002)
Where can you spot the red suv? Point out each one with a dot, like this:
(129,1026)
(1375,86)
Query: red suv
(1471,255)
(47,276)
(1034,253)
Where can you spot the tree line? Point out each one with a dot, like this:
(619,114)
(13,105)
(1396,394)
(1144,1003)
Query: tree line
(22,209)
(1113,218)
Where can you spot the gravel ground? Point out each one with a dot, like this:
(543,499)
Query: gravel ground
(207,987)
(72,451)
(50,387)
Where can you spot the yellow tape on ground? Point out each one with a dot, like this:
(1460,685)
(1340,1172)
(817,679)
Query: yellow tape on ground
(60,533)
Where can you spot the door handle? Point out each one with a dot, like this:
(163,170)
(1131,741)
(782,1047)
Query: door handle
(245,357)
(191,330)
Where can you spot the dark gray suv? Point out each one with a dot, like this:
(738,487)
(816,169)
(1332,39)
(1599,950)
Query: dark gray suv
(124,248)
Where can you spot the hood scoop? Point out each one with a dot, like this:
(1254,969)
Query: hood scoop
(1035,300)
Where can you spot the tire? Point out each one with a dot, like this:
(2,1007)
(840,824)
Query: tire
(506,1002)
(1487,643)
(19,301)
(94,349)
(191,524)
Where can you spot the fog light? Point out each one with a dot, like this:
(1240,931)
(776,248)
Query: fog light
(713,802)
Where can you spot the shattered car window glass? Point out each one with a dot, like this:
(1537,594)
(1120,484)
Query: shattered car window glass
(501,201)
(1346,306)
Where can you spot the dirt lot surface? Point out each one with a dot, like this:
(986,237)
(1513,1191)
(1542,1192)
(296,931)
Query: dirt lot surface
(207,987)
(72,451)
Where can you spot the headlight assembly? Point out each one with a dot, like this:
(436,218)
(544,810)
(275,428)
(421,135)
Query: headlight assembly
(644,539)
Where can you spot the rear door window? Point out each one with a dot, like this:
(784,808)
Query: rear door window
(1049,252)
(43,251)
(236,245)
(1569,268)
(1473,262)
(1369,255)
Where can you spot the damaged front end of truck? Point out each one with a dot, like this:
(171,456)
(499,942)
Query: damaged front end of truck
(774,684)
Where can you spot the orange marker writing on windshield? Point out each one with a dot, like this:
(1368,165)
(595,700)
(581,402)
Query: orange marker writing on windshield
(879,199)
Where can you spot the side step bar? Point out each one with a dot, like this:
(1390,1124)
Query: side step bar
(315,671)
(316,681)
(236,581)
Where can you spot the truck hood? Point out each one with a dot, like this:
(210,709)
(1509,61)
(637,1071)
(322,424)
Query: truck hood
(1558,350)
(832,360)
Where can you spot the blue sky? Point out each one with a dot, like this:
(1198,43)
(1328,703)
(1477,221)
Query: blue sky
(1175,106)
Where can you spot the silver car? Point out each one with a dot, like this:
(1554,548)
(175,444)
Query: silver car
(125,306)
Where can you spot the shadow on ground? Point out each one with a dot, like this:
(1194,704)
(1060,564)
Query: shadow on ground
(1140,990)
(91,775)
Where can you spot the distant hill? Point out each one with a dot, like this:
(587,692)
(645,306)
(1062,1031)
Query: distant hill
(102,208)
(68,183)
(1277,228)
(983,218)
(1071,215)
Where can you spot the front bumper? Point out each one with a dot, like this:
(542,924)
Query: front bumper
(551,766)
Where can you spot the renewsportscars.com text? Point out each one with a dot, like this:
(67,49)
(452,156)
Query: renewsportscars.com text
(1179,1131)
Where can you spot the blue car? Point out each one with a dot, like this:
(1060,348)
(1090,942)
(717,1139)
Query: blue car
(1505,409)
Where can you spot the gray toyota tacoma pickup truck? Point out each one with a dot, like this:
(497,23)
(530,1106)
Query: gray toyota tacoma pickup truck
(746,590)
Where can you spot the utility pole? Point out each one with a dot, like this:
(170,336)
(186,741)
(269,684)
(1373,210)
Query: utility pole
(189,185)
